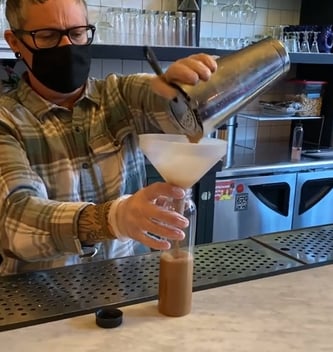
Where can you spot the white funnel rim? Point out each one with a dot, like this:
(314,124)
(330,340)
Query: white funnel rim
(179,139)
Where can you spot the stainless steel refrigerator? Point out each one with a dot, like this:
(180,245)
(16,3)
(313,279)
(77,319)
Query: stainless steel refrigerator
(249,206)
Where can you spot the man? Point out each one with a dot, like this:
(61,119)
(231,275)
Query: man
(71,173)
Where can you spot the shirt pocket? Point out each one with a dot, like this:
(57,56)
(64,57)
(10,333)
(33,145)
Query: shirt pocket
(104,145)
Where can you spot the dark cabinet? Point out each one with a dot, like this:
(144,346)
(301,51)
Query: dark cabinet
(314,12)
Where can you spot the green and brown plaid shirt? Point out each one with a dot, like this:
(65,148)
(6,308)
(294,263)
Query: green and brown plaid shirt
(55,161)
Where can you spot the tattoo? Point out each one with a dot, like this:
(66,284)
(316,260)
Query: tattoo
(93,224)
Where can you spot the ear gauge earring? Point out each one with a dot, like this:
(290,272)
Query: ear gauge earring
(18,55)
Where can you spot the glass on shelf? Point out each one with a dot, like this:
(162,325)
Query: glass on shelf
(209,2)
(132,26)
(314,45)
(305,47)
(239,11)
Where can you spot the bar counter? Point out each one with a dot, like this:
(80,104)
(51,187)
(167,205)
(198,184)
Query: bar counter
(265,293)
(288,312)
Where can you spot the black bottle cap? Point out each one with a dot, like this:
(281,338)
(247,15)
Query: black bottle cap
(109,317)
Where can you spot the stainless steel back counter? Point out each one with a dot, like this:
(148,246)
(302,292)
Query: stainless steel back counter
(271,158)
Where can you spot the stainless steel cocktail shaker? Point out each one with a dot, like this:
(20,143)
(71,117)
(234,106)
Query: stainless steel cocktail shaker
(240,77)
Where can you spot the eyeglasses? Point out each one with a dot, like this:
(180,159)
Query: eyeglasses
(49,37)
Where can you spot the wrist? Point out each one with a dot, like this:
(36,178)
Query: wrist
(113,218)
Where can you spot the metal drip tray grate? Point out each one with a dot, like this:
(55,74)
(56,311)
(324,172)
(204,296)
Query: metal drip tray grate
(310,246)
(43,296)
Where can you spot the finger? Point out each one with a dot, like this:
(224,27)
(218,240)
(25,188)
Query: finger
(165,230)
(162,88)
(157,189)
(157,243)
(191,70)
(207,60)
(170,217)
(152,241)
(160,201)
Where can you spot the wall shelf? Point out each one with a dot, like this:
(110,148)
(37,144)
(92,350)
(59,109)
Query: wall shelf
(165,53)
(262,117)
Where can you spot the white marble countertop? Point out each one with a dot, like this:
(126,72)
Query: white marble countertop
(287,312)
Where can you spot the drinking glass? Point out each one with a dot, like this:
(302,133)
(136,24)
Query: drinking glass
(132,25)
(162,31)
(102,29)
(115,18)
(149,27)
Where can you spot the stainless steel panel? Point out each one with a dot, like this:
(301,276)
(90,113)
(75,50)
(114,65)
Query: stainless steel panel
(313,206)
(240,213)
(39,297)
(313,245)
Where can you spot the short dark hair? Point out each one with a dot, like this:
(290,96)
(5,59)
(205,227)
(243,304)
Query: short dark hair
(15,11)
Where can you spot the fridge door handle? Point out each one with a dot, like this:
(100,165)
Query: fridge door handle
(273,195)
(312,191)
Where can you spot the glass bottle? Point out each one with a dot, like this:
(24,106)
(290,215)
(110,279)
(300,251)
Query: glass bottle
(176,264)
(297,142)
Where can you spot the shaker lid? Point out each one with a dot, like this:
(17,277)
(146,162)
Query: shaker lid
(108,317)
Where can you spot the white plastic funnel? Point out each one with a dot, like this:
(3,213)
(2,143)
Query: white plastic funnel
(178,161)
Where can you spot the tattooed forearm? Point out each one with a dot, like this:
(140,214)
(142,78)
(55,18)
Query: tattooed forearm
(93,225)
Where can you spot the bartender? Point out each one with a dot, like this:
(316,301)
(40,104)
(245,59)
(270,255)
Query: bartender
(72,174)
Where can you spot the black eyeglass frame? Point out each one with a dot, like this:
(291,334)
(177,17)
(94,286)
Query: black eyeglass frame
(62,32)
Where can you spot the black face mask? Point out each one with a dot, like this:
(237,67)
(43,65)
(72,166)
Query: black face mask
(63,68)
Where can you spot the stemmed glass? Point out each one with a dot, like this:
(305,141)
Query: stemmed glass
(235,11)
(298,43)
(314,45)
(239,11)
(248,11)
(305,47)
(225,11)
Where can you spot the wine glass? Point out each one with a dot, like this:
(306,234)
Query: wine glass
(235,12)
(248,12)
(305,47)
(314,45)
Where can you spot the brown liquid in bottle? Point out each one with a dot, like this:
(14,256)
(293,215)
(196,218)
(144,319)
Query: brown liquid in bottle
(175,283)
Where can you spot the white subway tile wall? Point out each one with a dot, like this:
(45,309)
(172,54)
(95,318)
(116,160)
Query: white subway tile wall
(269,13)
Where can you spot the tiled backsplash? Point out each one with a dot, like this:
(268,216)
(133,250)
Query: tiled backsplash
(269,13)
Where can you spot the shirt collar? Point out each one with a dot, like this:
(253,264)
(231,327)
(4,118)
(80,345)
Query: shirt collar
(40,107)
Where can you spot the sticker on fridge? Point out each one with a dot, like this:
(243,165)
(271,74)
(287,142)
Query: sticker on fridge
(224,190)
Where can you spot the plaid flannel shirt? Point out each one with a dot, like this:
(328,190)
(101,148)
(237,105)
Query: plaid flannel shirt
(55,161)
